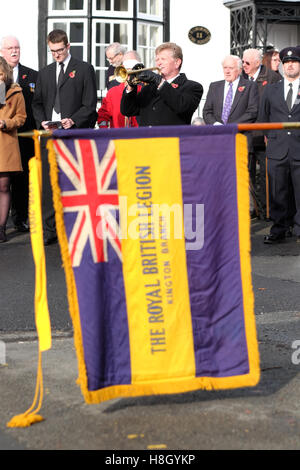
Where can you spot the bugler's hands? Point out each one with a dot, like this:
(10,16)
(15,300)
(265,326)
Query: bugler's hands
(150,77)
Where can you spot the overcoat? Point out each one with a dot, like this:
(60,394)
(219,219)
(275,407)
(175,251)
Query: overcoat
(13,112)
(173,104)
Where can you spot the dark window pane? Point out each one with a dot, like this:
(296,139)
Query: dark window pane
(76,4)
(143,6)
(77,52)
(62,26)
(76,32)
(100,57)
(120,33)
(59,4)
(121,5)
(103,5)
(103,33)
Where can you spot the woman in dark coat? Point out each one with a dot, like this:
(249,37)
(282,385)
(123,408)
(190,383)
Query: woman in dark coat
(12,116)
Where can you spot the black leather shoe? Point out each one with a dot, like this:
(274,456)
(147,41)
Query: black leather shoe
(50,241)
(22,227)
(272,239)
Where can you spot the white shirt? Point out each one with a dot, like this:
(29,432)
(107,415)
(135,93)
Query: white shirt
(295,88)
(234,88)
(55,116)
(226,87)
(256,74)
(16,73)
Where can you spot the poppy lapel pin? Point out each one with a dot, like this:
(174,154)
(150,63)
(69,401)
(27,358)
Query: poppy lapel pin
(174,85)
(241,89)
(72,74)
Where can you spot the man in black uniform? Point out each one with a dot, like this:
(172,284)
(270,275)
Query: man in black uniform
(167,99)
(253,70)
(26,78)
(281,103)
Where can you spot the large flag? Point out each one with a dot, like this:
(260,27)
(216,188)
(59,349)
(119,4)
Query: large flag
(154,230)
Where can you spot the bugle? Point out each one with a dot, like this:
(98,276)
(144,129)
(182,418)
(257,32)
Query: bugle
(121,74)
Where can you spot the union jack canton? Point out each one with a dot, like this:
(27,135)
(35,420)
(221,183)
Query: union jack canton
(90,197)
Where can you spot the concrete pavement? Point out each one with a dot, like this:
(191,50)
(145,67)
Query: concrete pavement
(263,417)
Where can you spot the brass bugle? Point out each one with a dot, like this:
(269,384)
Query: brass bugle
(121,73)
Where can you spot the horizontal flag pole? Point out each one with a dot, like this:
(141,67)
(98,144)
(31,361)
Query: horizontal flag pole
(31,134)
(256,126)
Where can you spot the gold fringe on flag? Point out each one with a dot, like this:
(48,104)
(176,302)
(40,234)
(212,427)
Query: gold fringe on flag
(42,318)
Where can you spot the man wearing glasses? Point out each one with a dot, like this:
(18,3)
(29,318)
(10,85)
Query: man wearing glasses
(26,78)
(66,89)
(114,54)
(65,97)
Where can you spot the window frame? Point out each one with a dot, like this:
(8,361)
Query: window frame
(113,13)
(83,12)
(68,21)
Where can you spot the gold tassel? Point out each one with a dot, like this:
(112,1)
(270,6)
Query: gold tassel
(30,416)
(42,319)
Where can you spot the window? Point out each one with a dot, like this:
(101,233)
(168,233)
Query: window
(76,30)
(69,7)
(104,33)
(148,38)
(113,7)
(92,25)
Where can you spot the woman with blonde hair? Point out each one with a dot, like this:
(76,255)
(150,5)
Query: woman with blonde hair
(12,116)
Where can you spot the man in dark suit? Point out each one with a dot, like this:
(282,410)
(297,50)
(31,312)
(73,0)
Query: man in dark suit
(26,78)
(254,70)
(168,98)
(281,103)
(232,100)
(66,94)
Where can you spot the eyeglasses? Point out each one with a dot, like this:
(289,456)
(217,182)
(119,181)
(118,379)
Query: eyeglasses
(12,48)
(58,51)
(112,58)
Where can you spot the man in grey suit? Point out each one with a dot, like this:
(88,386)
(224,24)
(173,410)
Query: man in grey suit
(281,103)
(232,100)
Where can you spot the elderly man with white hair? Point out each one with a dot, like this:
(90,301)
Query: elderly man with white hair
(26,78)
(232,100)
(254,70)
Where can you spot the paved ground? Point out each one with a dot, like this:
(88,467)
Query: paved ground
(263,417)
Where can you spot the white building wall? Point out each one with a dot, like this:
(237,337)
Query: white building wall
(20,18)
(201,62)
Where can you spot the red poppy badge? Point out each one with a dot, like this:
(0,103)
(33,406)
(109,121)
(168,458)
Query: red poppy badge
(241,88)
(174,85)
(264,83)
(72,74)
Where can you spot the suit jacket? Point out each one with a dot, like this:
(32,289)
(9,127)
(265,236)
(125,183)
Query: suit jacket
(172,104)
(78,94)
(273,108)
(265,77)
(244,106)
(27,80)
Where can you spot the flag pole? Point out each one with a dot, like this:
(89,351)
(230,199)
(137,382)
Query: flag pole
(44,133)
(256,126)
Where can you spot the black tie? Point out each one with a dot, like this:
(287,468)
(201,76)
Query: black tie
(289,97)
(59,82)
